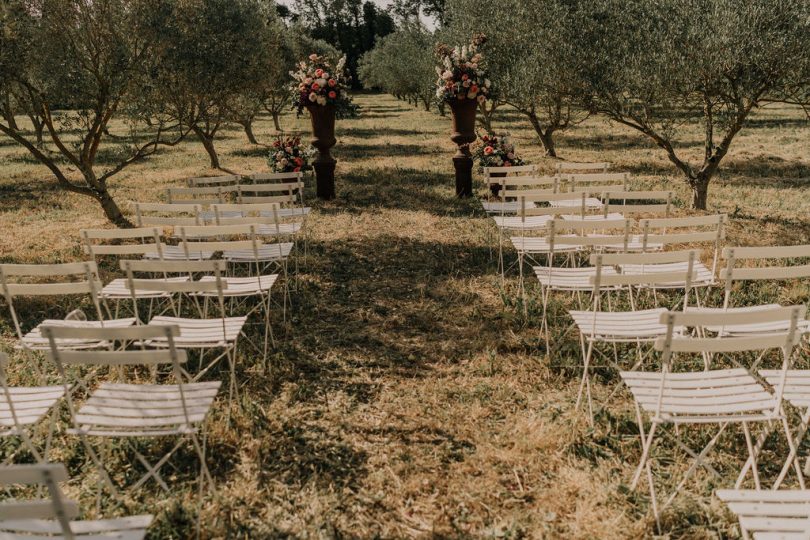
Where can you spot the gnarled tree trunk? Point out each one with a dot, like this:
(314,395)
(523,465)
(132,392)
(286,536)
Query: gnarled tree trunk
(207,141)
(247,125)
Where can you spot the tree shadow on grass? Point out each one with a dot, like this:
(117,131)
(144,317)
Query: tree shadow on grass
(766,171)
(402,189)
(377,132)
(360,151)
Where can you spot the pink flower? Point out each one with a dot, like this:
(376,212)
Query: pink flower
(332,94)
(507,164)
(297,169)
(488,150)
(332,83)
(315,87)
(313,57)
(318,72)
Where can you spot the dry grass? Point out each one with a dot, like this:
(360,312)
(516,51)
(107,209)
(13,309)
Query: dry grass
(410,398)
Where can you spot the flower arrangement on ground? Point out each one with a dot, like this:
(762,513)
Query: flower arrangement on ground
(317,82)
(288,155)
(496,151)
(462,73)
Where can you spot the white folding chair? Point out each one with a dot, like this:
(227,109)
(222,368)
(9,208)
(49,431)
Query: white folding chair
(67,279)
(779,268)
(22,408)
(136,411)
(268,218)
(668,232)
(289,196)
(171,215)
(113,242)
(498,179)
(258,286)
(571,236)
(712,396)
(532,220)
(54,518)
(218,335)
(292,180)
(658,203)
(770,515)
(637,326)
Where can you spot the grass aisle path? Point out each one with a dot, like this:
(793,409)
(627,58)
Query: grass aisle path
(412,401)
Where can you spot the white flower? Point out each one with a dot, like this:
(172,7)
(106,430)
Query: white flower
(308,80)
(472,94)
(341,64)
(288,150)
(510,155)
(487,83)
(284,162)
(474,65)
(313,96)
(321,100)
(447,75)
(325,75)
(321,82)
(466,84)
(481,98)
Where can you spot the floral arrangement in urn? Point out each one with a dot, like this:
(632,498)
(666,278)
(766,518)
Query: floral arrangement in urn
(496,151)
(317,82)
(462,74)
(288,155)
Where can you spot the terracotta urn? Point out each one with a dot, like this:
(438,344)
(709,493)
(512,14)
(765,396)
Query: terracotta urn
(464,111)
(323,130)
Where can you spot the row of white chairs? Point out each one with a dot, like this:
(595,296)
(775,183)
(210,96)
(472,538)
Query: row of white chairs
(727,391)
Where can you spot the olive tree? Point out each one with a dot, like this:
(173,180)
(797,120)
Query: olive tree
(535,53)
(217,54)
(401,65)
(683,62)
(76,67)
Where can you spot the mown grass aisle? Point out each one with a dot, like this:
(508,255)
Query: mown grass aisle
(409,396)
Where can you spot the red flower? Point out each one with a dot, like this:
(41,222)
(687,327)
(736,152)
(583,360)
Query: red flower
(315,87)
(488,150)
(299,161)
(465,77)
(276,144)
(332,82)
(485,138)
(297,169)
(332,94)
(507,164)
(474,89)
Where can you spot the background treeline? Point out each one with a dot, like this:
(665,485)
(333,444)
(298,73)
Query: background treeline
(655,66)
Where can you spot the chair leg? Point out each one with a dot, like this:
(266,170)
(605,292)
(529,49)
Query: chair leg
(753,456)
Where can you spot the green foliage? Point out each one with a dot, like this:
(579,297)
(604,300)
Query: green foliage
(74,66)
(401,64)
(353,26)
(684,61)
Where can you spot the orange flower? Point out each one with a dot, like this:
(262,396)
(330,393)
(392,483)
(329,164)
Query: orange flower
(488,150)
